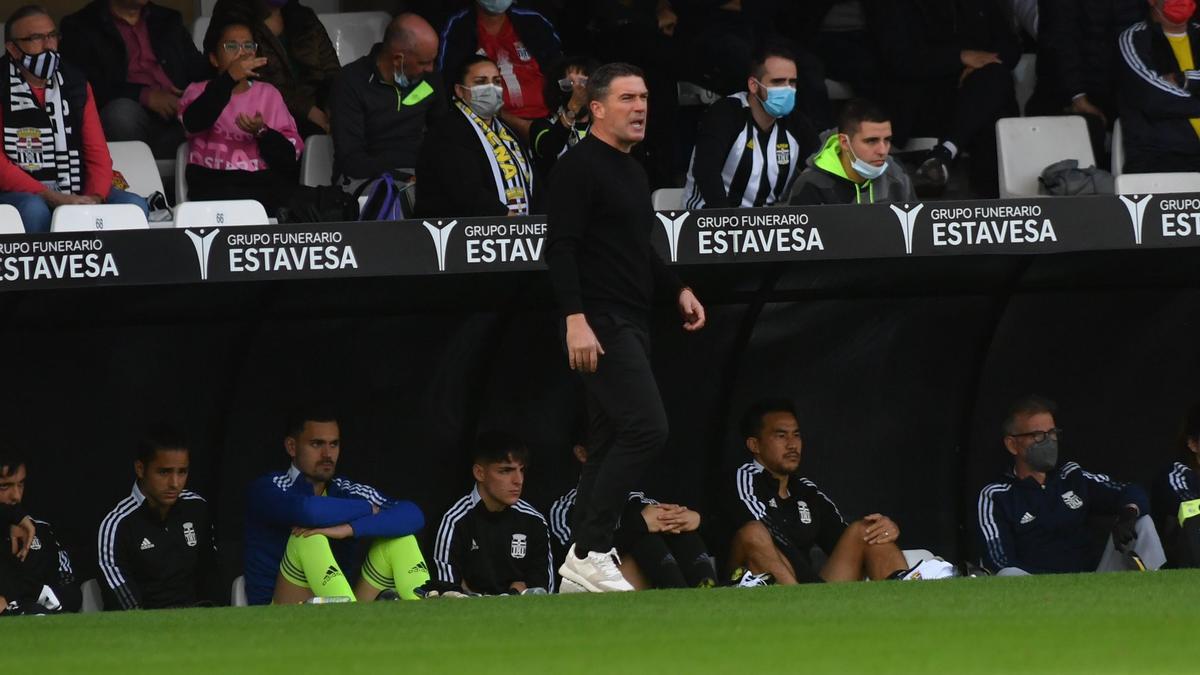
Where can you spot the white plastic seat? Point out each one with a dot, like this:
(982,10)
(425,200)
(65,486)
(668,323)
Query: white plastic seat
(93,600)
(1157,183)
(316,163)
(231,212)
(1027,145)
(237,595)
(912,556)
(10,220)
(93,217)
(1118,149)
(1025,79)
(200,27)
(354,33)
(136,163)
(181,157)
(665,199)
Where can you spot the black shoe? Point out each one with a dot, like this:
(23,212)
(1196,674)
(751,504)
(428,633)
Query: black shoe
(387,594)
(934,172)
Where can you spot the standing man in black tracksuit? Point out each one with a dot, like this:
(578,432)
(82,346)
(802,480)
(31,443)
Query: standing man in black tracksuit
(1160,89)
(491,541)
(604,272)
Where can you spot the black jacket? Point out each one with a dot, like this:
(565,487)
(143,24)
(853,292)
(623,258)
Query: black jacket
(454,174)
(459,40)
(1077,49)
(47,564)
(922,39)
(489,552)
(1156,99)
(376,126)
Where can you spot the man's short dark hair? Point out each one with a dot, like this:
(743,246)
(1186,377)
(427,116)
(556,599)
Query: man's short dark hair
(11,459)
(22,13)
(600,81)
(1029,404)
(758,60)
(300,415)
(859,110)
(752,420)
(499,446)
(460,75)
(160,437)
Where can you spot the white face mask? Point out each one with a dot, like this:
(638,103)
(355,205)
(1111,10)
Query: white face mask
(864,169)
(486,100)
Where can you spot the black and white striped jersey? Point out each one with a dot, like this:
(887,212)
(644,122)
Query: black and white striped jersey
(798,521)
(150,563)
(490,551)
(736,164)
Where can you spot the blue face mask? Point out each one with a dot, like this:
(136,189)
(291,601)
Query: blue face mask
(779,101)
(865,169)
(495,6)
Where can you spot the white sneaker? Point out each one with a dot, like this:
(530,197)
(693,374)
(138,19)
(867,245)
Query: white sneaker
(596,573)
(928,570)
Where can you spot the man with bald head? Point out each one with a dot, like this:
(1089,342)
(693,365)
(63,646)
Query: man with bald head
(384,102)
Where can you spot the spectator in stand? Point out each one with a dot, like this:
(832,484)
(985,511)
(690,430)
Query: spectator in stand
(752,144)
(242,142)
(54,148)
(1160,89)
(301,61)
(472,163)
(853,166)
(140,58)
(518,41)
(552,136)
(949,69)
(1176,497)
(384,102)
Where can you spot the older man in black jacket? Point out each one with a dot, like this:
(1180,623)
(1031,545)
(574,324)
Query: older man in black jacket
(139,58)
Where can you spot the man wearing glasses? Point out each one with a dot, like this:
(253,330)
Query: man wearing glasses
(1035,520)
(54,149)
(140,58)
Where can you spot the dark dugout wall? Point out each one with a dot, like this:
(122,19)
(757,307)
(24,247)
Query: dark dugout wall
(901,370)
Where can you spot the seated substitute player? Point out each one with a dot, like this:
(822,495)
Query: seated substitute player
(780,514)
(1176,497)
(38,578)
(1034,520)
(156,546)
(491,541)
(301,523)
(661,542)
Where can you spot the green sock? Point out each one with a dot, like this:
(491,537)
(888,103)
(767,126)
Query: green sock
(398,564)
(309,562)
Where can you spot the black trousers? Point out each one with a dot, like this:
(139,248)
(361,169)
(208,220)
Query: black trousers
(674,560)
(627,426)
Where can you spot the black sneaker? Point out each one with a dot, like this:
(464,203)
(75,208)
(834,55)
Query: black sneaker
(934,173)
(386,595)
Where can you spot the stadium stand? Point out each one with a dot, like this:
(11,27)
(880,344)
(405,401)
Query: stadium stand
(1027,145)
(354,33)
(88,217)
(136,163)
(205,7)
(232,212)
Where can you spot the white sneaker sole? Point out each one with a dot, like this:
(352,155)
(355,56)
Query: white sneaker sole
(569,586)
(571,576)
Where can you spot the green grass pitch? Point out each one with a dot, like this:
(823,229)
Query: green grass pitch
(1097,623)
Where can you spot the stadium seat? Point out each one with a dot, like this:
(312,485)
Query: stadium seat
(838,91)
(136,163)
(1118,149)
(665,199)
(354,33)
(93,601)
(181,157)
(917,144)
(912,556)
(92,217)
(1025,78)
(200,27)
(1027,145)
(10,220)
(229,212)
(1157,183)
(316,163)
(237,597)
(205,7)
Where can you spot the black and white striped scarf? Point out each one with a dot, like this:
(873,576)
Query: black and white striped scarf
(38,138)
(510,168)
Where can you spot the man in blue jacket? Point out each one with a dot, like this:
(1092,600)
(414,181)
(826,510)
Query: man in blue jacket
(1035,520)
(301,523)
